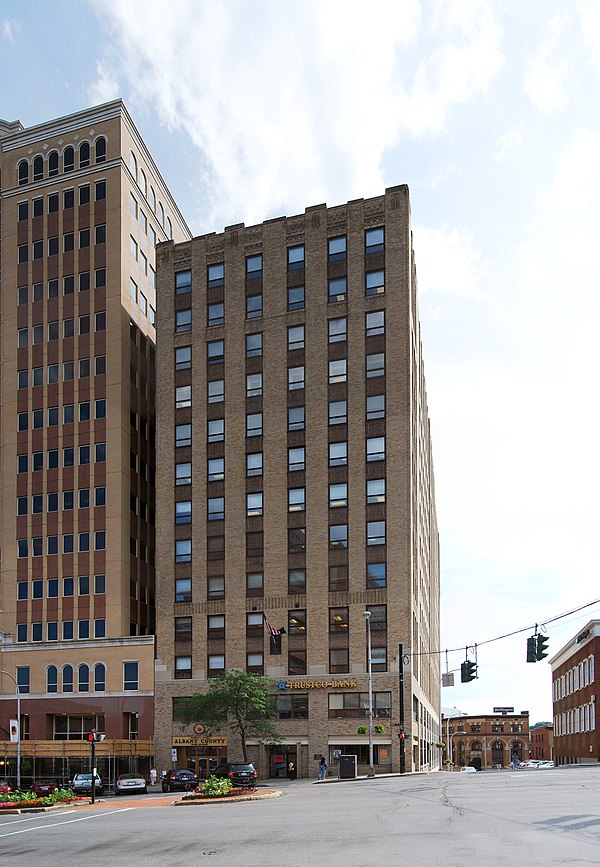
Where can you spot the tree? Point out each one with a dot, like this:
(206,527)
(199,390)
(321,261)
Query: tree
(238,701)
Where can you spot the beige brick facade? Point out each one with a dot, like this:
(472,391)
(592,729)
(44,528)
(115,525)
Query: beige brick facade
(332,294)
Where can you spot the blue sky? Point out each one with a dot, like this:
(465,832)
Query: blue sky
(489,111)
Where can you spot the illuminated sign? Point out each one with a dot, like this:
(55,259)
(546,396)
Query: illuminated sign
(196,741)
(316,684)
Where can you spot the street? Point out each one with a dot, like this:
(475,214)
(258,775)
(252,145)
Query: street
(500,818)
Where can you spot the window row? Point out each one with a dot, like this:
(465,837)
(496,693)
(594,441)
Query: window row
(338,539)
(578,719)
(338,414)
(578,677)
(40,335)
(149,194)
(24,295)
(84,413)
(35,588)
(35,547)
(139,298)
(339,580)
(35,461)
(35,207)
(67,672)
(338,498)
(54,247)
(36,630)
(336,251)
(39,376)
(66,502)
(138,214)
(50,165)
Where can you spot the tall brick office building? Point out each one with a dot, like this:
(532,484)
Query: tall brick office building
(82,207)
(295,478)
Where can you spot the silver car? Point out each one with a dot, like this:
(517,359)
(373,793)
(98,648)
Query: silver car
(82,784)
(129,783)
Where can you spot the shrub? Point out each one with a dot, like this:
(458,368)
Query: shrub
(215,787)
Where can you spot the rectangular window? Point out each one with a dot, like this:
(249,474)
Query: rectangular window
(254,504)
(376,406)
(183,512)
(296,499)
(338,536)
(183,590)
(254,345)
(215,351)
(254,266)
(100,234)
(296,540)
(254,421)
(336,248)
(254,584)
(338,412)
(296,418)
(183,321)
(183,435)
(215,470)
(183,282)
(183,629)
(375,449)
(296,298)
(183,358)
(296,581)
(295,378)
(338,289)
(375,323)
(295,257)
(338,454)
(254,544)
(296,459)
(130,676)
(84,194)
(216,664)
(216,391)
(216,586)
(338,660)
(216,275)
(183,396)
(216,314)
(374,240)
(254,464)
(338,495)
(375,365)
(253,384)
(375,490)
(338,578)
(216,508)
(183,550)
(337,371)
(374,283)
(215,430)
(295,337)
(375,532)
(337,329)
(254,306)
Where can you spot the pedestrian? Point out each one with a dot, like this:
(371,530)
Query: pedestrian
(515,761)
(322,768)
(153,776)
(292,771)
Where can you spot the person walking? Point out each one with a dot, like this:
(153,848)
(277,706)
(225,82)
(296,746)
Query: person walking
(322,768)
(153,776)
(292,771)
(515,761)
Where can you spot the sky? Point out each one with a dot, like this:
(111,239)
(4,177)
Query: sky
(489,111)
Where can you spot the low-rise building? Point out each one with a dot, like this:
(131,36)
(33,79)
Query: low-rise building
(486,740)
(541,741)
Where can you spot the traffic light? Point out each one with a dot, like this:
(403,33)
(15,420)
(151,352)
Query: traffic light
(468,671)
(532,649)
(401,736)
(541,650)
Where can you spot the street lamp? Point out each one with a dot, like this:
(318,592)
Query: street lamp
(8,674)
(459,732)
(371,771)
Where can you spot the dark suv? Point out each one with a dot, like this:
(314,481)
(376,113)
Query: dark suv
(182,780)
(238,773)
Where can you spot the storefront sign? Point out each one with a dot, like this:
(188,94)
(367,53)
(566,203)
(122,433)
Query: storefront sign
(197,741)
(316,684)
(504,710)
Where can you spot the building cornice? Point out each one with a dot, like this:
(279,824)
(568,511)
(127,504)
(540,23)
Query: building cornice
(97,644)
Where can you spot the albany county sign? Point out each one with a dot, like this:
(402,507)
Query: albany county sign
(198,741)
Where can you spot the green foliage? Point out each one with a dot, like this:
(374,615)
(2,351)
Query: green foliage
(215,787)
(238,701)
(362,730)
(30,798)
(379,729)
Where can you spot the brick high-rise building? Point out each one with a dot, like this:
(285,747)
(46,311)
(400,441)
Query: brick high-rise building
(82,208)
(295,478)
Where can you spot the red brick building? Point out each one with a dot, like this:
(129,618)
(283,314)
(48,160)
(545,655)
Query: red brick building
(576,739)
(486,740)
(541,741)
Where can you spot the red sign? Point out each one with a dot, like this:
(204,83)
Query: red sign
(278,760)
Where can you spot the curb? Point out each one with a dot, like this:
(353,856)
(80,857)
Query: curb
(263,796)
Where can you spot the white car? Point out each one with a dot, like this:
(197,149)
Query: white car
(130,783)
(543,765)
(468,769)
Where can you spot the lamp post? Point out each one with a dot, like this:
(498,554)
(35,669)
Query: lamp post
(371,771)
(8,674)
(459,732)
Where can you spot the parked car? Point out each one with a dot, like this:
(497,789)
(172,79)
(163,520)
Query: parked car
(130,783)
(43,788)
(544,764)
(239,773)
(5,787)
(468,769)
(180,780)
(82,784)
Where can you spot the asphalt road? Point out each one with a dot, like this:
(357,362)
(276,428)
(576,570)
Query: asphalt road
(500,818)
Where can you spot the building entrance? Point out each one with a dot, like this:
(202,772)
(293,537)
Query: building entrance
(204,760)
(280,758)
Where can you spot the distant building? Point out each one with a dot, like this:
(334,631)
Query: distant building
(574,691)
(486,741)
(541,741)
(82,206)
(295,478)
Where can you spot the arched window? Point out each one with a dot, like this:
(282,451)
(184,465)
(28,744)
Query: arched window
(152,199)
(143,183)
(161,214)
(169,228)
(53,164)
(84,154)
(23,172)
(133,164)
(84,678)
(100,149)
(38,168)
(476,747)
(100,677)
(69,159)
(52,679)
(67,678)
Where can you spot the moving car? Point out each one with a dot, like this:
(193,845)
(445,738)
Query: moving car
(5,787)
(43,788)
(544,764)
(82,784)
(127,783)
(238,773)
(181,780)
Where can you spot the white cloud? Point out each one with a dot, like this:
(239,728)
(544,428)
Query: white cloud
(448,262)
(10,28)
(291,105)
(548,69)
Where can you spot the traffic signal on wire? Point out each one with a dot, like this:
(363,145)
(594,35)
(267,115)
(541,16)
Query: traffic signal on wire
(541,650)
(532,649)
(468,671)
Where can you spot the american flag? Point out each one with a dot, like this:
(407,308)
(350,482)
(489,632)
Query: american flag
(270,626)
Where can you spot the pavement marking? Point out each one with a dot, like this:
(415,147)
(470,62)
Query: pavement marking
(70,821)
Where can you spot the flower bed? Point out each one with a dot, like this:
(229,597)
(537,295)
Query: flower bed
(217,787)
(18,800)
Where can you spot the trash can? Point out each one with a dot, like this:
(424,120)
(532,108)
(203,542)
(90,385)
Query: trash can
(347,768)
